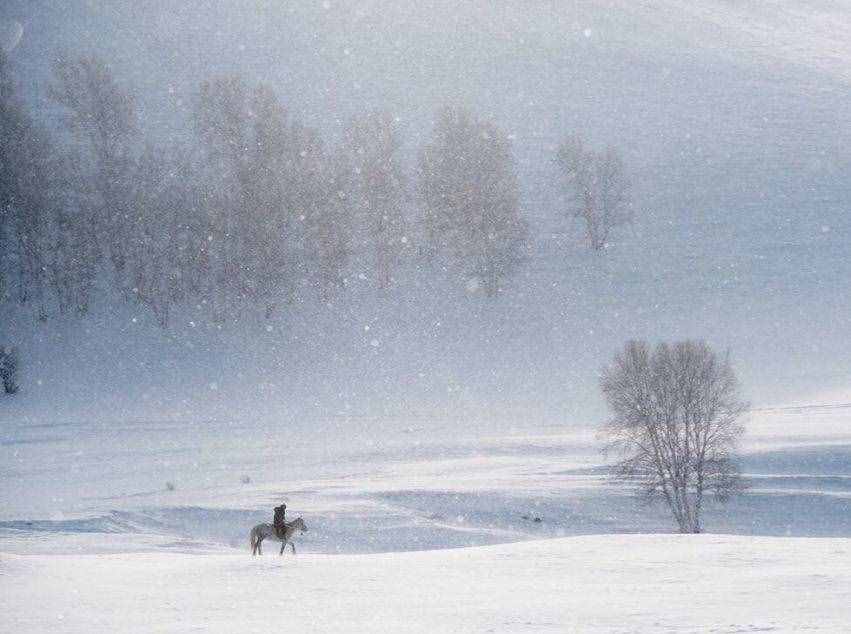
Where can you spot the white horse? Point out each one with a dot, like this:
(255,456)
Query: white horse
(267,531)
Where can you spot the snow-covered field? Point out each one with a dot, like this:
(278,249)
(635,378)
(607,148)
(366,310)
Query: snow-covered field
(610,583)
(417,534)
(415,431)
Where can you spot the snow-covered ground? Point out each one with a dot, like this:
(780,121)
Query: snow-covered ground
(417,489)
(612,583)
(415,534)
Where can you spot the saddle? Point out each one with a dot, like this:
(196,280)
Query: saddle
(280,529)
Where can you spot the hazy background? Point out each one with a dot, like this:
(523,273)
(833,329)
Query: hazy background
(734,120)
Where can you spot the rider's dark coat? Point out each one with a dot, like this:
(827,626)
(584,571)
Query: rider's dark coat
(280,520)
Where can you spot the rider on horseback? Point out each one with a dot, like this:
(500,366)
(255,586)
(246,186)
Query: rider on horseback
(279,522)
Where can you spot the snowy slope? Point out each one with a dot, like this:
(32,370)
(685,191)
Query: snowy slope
(733,118)
(638,583)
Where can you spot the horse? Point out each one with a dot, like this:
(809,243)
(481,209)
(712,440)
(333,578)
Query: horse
(267,531)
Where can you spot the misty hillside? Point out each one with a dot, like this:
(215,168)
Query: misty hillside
(733,121)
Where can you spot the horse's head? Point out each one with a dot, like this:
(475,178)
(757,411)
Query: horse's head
(299,524)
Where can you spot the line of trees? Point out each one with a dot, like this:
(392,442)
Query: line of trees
(251,209)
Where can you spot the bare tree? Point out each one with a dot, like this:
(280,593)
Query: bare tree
(70,250)
(470,196)
(166,248)
(223,123)
(101,115)
(24,195)
(598,188)
(329,225)
(9,370)
(244,149)
(275,198)
(372,145)
(318,184)
(675,413)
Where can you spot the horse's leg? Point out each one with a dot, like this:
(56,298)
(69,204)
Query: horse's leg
(283,545)
(260,545)
(292,545)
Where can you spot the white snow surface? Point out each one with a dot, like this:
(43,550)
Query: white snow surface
(612,583)
(425,532)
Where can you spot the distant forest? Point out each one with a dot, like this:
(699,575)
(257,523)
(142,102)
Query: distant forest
(249,209)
